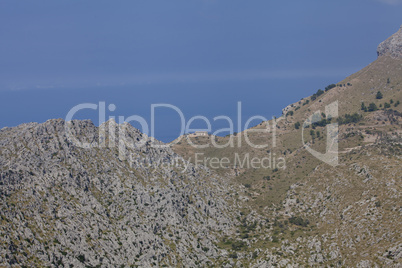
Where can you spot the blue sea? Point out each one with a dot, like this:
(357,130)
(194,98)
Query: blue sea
(264,98)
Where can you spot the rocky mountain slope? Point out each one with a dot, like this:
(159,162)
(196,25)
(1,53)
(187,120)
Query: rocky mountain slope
(67,206)
(366,185)
(122,200)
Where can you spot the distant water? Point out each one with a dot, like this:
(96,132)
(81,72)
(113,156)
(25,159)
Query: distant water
(264,98)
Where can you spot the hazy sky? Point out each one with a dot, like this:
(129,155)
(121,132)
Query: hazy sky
(284,50)
(88,43)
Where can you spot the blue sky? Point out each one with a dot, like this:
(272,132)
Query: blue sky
(267,54)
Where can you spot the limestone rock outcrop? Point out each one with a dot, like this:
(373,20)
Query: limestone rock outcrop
(392,46)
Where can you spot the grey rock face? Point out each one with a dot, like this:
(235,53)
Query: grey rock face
(392,46)
(62,205)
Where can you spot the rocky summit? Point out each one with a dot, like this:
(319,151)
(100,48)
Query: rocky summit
(73,194)
(392,46)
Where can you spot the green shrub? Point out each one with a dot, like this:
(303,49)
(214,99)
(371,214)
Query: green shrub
(363,107)
(331,86)
(81,258)
(299,221)
(372,107)
(322,123)
(233,255)
(378,95)
(205,249)
(319,92)
(238,245)
(347,118)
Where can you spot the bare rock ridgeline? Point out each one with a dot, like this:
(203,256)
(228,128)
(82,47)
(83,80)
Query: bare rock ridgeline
(392,46)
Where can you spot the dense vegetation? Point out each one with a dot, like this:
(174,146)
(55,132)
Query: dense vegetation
(331,86)
(349,118)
